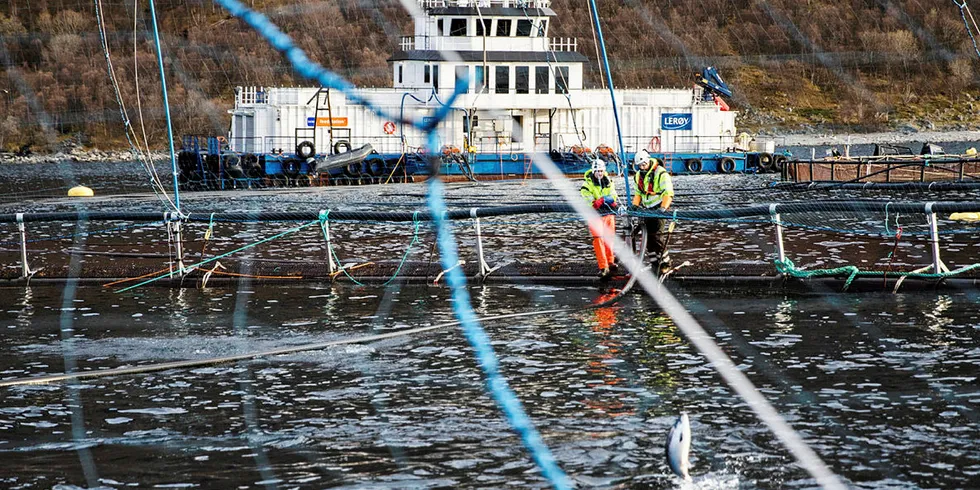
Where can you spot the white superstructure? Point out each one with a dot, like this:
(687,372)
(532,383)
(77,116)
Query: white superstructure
(525,94)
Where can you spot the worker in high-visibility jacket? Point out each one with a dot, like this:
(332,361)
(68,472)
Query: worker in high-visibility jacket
(599,191)
(654,191)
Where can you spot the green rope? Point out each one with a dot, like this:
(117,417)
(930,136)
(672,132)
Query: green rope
(415,239)
(207,234)
(212,259)
(788,267)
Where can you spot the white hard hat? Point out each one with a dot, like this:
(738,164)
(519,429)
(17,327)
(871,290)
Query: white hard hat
(598,165)
(641,157)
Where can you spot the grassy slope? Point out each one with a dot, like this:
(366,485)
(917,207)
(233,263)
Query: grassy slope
(870,72)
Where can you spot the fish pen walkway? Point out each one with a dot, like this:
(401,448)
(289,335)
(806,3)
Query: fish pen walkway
(833,245)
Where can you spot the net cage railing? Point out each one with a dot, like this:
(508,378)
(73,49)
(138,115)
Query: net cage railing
(884,170)
(536,243)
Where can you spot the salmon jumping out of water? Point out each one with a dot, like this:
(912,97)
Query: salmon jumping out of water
(679,447)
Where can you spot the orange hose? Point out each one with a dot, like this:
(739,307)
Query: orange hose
(136,278)
(351,268)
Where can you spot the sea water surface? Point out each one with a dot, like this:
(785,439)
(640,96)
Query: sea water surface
(882,386)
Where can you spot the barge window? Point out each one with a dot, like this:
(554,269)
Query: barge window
(502,82)
(521,81)
(435,76)
(543,28)
(428,75)
(541,80)
(503,27)
(457,27)
(481,80)
(523,28)
(561,80)
(463,72)
(401,70)
(483,27)
(440,27)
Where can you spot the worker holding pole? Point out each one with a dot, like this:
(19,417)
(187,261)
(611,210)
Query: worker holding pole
(654,190)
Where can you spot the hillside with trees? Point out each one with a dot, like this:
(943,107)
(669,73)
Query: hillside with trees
(799,65)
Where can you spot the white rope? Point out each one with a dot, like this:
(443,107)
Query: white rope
(155,184)
(598,59)
(139,106)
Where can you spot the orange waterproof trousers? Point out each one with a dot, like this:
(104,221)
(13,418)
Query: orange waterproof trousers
(602,240)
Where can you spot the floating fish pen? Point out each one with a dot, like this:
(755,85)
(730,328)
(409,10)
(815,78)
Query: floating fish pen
(889,165)
(848,245)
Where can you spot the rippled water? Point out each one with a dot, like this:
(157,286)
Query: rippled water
(884,387)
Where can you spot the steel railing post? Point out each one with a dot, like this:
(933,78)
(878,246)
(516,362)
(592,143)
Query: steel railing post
(325,226)
(780,249)
(25,268)
(485,269)
(179,245)
(937,263)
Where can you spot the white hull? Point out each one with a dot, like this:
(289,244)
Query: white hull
(267,119)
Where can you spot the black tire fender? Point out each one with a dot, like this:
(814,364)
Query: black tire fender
(342,146)
(291,167)
(766,162)
(778,161)
(305,150)
(693,165)
(726,165)
(375,166)
(251,165)
(353,170)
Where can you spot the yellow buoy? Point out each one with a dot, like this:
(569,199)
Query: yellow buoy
(965,216)
(80,191)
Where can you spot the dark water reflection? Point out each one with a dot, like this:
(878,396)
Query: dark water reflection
(884,387)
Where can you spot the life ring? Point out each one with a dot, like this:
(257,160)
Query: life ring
(765,162)
(654,145)
(693,165)
(341,144)
(291,167)
(726,165)
(389,127)
(305,150)
(514,157)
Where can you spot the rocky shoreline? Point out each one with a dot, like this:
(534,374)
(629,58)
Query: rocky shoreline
(77,154)
(893,137)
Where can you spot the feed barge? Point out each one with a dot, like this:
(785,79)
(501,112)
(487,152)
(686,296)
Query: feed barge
(525,96)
